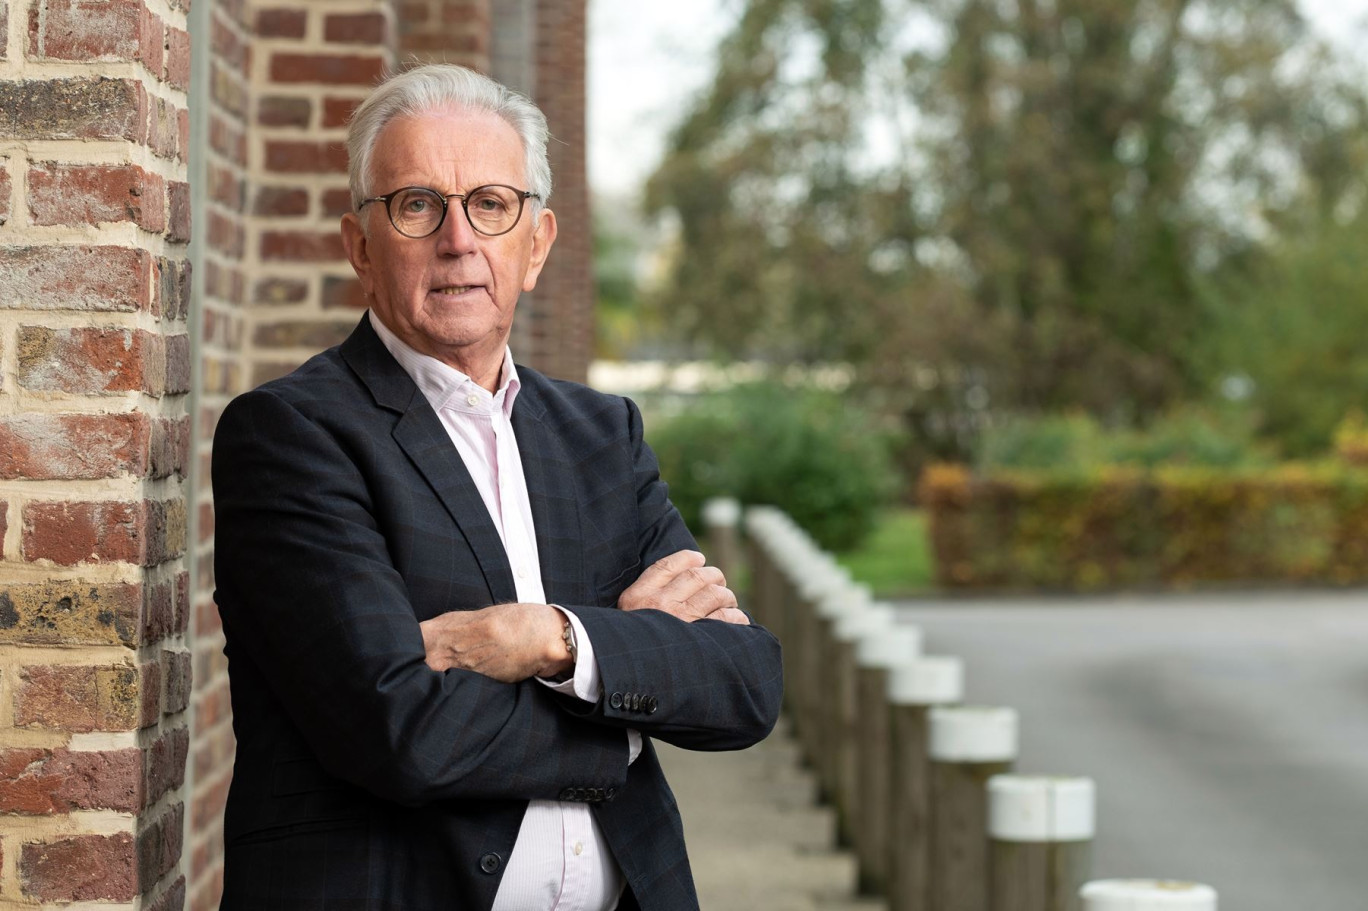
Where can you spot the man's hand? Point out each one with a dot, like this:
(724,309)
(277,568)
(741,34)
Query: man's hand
(684,586)
(509,642)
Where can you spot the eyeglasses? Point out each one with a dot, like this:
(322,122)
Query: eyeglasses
(419,211)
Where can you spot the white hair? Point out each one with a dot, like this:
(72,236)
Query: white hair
(444,86)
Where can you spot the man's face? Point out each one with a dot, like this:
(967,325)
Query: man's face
(450,295)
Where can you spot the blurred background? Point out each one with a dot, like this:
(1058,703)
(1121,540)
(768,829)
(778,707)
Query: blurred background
(1047,318)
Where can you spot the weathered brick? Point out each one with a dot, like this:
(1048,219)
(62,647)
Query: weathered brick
(173,899)
(280,291)
(111,279)
(163,128)
(302,246)
(282,111)
(152,42)
(75,194)
(42,782)
(227,187)
(183,601)
(169,447)
(72,109)
(90,361)
(337,111)
(6,188)
(281,23)
(343,292)
(355,28)
(4,30)
(281,201)
(164,764)
(301,334)
(70,533)
(177,364)
(74,446)
(159,845)
(178,58)
(178,212)
(70,613)
(300,157)
(173,288)
(85,30)
(332,69)
(80,699)
(227,235)
(176,670)
(158,616)
(80,868)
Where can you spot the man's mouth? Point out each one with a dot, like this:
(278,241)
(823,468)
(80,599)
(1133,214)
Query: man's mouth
(455,289)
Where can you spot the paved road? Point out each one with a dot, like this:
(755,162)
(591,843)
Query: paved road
(1228,734)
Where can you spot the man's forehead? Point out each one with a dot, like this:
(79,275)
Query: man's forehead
(445,137)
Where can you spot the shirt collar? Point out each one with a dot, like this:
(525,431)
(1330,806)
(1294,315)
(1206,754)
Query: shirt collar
(444,386)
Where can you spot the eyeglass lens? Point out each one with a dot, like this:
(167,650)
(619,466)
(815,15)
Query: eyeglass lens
(417,211)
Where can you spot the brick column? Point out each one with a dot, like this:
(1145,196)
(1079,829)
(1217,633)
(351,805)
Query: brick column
(94,366)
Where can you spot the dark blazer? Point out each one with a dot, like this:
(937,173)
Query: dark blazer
(366,780)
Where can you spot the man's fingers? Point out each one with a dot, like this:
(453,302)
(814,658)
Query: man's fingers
(729,615)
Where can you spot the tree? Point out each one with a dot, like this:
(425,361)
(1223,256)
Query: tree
(997,204)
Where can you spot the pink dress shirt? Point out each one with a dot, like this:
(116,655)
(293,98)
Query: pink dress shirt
(560,861)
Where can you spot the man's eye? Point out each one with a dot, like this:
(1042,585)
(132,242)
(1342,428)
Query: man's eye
(488,204)
(417,205)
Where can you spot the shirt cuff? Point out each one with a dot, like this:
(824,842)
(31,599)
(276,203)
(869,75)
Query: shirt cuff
(584,683)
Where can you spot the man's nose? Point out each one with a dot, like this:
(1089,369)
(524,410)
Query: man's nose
(456,237)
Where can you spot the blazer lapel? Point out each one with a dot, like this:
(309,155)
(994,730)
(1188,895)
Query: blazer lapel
(554,498)
(419,432)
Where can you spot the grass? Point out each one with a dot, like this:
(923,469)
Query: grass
(895,559)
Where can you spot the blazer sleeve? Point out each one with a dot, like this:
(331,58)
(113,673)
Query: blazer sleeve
(706,685)
(310,597)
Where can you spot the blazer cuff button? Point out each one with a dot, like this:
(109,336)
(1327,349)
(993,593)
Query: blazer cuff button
(490,862)
(615,700)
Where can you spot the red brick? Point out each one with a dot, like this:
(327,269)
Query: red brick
(208,804)
(212,705)
(281,201)
(173,899)
(90,361)
(281,23)
(178,364)
(283,111)
(227,235)
(43,782)
(183,603)
(343,292)
(163,128)
(169,448)
(80,868)
(75,278)
(4,30)
(178,211)
(337,111)
(302,246)
(85,30)
(337,203)
(69,612)
(61,194)
(332,69)
(164,764)
(178,58)
(280,291)
(83,108)
(356,28)
(173,288)
(4,529)
(300,157)
(413,12)
(227,188)
(158,613)
(80,699)
(183,135)
(71,533)
(176,670)
(74,446)
(152,42)
(305,333)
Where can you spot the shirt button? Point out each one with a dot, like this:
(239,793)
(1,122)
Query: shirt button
(472,400)
(579,848)
(522,573)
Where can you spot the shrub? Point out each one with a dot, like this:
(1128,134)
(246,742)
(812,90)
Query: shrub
(811,454)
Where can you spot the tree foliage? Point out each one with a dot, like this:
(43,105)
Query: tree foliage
(998,204)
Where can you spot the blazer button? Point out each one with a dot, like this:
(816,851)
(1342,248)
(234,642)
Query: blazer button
(490,862)
(651,705)
(636,702)
(597,795)
(567,794)
(610,794)
(615,700)
(581,794)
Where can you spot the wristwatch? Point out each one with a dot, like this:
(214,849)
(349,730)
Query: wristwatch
(568,637)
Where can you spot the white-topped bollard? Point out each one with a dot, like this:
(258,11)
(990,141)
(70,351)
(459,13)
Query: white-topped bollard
(967,745)
(1040,830)
(914,689)
(876,655)
(864,617)
(1147,895)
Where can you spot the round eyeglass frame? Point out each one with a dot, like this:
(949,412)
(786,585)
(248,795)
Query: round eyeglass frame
(522,195)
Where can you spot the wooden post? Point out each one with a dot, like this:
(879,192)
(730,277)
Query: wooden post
(1040,832)
(875,655)
(721,515)
(914,687)
(967,746)
(760,597)
(1147,895)
(822,579)
(866,620)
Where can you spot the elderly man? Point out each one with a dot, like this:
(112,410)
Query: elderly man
(457,601)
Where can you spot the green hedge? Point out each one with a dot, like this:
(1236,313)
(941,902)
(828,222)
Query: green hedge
(1127,527)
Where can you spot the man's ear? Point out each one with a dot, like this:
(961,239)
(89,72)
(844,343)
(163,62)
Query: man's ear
(355,243)
(543,236)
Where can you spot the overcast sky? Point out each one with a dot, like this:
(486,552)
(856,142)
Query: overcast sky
(647,58)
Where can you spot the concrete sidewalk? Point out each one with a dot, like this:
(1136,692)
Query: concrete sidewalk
(757,839)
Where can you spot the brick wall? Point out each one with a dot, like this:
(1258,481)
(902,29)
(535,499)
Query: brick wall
(94,368)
